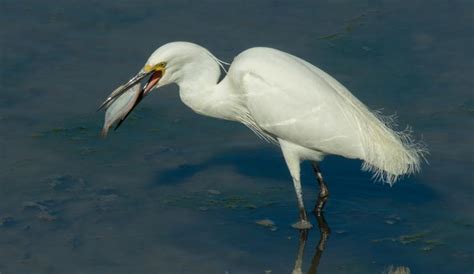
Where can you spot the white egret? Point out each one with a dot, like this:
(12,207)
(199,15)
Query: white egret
(284,100)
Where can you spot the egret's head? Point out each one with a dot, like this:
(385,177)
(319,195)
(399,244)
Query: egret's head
(174,61)
(162,66)
(168,64)
(171,63)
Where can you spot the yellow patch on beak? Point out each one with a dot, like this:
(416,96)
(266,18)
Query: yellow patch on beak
(149,68)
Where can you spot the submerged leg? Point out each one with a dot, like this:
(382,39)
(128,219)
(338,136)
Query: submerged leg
(297,269)
(323,190)
(324,235)
(293,163)
(324,232)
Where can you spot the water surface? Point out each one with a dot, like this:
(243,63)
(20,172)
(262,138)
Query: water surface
(174,192)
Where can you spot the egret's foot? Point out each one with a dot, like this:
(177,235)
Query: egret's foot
(302,224)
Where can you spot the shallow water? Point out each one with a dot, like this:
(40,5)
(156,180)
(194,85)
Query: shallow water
(173,192)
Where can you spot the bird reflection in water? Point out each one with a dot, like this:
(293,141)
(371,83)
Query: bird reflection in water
(324,232)
(396,270)
(324,235)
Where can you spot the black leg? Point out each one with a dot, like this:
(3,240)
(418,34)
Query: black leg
(324,230)
(324,235)
(323,190)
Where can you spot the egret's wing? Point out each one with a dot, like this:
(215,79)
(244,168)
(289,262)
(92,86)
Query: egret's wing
(300,103)
(300,115)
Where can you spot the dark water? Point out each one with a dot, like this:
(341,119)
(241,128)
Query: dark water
(173,192)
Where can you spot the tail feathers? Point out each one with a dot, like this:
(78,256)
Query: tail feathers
(390,154)
(387,153)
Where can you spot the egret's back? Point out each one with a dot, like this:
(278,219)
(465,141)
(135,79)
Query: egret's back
(295,101)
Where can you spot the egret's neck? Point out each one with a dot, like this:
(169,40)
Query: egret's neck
(199,90)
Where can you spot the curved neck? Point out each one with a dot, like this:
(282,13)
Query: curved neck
(199,90)
(202,71)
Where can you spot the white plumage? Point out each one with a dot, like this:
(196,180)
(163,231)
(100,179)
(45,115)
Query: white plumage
(288,101)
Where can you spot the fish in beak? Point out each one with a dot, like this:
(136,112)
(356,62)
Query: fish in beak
(122,89)
(120,103)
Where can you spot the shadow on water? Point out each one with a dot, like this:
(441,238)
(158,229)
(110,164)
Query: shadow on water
(258,162)
(344,176)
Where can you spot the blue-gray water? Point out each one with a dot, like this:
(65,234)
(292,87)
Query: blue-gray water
(139,201)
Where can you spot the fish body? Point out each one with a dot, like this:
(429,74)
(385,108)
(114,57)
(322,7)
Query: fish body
(118,109)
